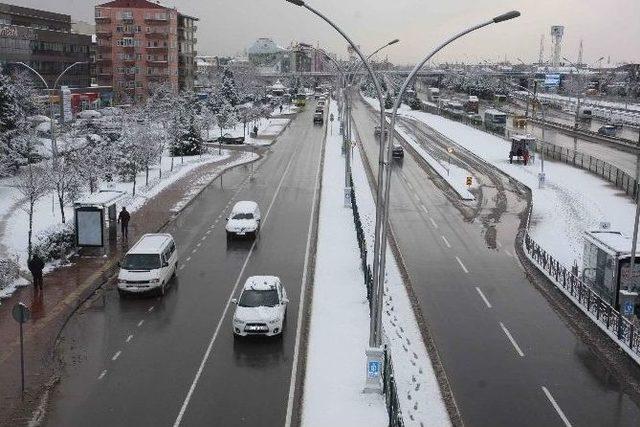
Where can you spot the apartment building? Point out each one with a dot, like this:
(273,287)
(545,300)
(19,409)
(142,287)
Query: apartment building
(141,44)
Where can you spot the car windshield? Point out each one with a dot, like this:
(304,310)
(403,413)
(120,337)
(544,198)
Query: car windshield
(242,215)
(141,262)
(259,298)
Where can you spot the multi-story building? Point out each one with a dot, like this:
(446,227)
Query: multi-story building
(44,41)
(140,44)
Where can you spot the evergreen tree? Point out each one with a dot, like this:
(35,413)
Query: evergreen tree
(228,90)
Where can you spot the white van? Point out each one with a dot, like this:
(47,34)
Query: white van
(244,220)
(149,265)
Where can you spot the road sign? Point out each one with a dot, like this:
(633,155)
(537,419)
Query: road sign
(627,308)
(373,368)
(469,181)
(21,313)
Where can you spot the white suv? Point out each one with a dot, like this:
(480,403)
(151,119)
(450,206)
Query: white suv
(261,308)
(244,220)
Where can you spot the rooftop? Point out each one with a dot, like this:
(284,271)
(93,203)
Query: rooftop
(150,243)
(244,206)
(261,283)
(134,4)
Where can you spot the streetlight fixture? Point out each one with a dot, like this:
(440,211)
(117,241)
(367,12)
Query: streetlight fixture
(374,353)
(380,256)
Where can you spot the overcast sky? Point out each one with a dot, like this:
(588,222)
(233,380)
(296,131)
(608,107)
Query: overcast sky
(227,27)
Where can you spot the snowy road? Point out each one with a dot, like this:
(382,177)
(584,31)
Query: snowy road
(509,357)
(173,360)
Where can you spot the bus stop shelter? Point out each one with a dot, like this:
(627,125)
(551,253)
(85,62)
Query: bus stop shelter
(96,219)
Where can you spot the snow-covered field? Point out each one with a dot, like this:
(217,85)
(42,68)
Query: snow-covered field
(571,202)
(267,130)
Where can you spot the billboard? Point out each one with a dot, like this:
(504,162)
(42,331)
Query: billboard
(552,80)
(89,230)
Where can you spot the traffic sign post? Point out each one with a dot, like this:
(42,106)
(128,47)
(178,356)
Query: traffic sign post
(21,314)
(469,181)
(375,365)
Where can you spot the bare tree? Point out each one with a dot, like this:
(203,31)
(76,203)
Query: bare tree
(33,183)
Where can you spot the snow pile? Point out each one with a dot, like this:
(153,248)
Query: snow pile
(571,202)
(10,278)
(340,314)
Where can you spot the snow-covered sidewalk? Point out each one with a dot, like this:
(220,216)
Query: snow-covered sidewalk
(571,202)
(339,326)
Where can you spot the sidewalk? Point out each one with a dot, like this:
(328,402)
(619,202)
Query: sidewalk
(65,288)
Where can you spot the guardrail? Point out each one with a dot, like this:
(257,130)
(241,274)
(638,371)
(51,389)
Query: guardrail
(607,318)
(389,389)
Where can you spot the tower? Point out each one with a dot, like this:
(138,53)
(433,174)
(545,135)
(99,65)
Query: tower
(557,31)
(541,53)
(580,54)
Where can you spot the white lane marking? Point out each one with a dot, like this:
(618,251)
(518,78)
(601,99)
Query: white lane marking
(181,267)
(513,342)
(188,259)
(296,348)
(204,237)
(462,265)
(129,338)
(563,417)
(506,251)
(208,232)
(207,352)
(102,374)
(486,301)
(115,356)
(151,308)
(499,245)
(433,223)
(194,251)
(424,208)
(446,242)
(140,323)
(409,184)
(198,245)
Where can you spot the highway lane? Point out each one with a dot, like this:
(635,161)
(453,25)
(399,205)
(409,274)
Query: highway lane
(133,361)
(509,357)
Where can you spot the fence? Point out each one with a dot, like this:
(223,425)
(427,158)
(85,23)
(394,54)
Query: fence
(606,170)
(603,314)
(388,379)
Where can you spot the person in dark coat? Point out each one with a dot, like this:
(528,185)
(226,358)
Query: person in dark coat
(123,219)
(36,265)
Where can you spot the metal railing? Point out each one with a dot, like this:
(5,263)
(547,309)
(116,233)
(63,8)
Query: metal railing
(601,312)
(389,389)
(606,170)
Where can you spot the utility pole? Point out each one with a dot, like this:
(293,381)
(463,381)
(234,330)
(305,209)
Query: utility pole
(634,241)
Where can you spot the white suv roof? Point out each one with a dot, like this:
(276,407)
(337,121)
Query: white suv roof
(150,243)
(261,283)
(244,206)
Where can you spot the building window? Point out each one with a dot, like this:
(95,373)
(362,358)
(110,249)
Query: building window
(126,14)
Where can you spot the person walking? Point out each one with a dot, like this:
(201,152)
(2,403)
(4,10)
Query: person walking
(123,219)
(36,265)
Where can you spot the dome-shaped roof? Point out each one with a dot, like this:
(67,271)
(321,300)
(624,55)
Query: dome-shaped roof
(264,46)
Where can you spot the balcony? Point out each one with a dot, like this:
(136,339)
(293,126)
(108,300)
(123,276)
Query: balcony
(105,72)
(103,32)
(157,63)
(103,19)
(153,18)
(157,77)
(129,60)
(157,48)
(157,34)
(103,60)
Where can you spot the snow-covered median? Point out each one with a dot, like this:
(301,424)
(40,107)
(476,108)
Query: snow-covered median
(571,202)
(339,327)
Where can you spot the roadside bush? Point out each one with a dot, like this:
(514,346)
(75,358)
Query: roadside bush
(55,243)
(9,272)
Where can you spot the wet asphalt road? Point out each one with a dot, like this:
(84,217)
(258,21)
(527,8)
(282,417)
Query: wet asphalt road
(509,357)
(132,362)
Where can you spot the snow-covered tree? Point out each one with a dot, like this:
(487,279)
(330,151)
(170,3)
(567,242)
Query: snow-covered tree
(96,159)
(226,117)
(228,90)
(32,183)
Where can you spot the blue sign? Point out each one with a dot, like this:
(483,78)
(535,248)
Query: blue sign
(374,368)
(627,309)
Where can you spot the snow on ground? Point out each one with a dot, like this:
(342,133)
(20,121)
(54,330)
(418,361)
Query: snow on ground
(267,130)
(47,212)
(340,314)
(401,325)
(286,109)
(454,175)
(572,201)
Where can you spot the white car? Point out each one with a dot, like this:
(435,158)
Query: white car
(149,265)
(261,308)
(244,220)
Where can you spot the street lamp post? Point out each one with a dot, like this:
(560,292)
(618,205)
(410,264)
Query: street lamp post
(578,102)
(374,353)
(387,182)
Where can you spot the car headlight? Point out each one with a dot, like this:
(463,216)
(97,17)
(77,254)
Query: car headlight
(122,281)
(237,321)
(274,321)
(154,281)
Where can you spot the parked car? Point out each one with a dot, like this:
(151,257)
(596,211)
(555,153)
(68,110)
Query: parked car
(318,118)
(228,139)
(607,130)
(397,151)
(244,220)
(149,265)
(261,308)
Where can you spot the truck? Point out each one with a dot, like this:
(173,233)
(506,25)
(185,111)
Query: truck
(495,121)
